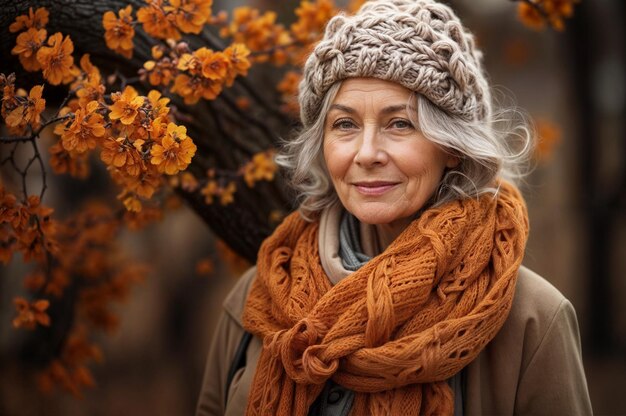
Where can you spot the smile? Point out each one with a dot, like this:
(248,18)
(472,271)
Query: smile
(374,188)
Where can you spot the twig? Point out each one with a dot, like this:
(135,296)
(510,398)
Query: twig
(44,185)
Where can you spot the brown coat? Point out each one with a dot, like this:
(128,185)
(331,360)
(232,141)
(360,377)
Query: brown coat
(532,367)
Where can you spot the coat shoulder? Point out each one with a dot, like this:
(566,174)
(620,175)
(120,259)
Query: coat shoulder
(534,297)
(534,364)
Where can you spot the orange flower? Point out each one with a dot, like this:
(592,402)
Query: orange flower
(175,151)
(227,194)
(125,105)
(57,283)
(120,154)
(288,87)
(156,22)
(238,54)
(192,62)
(119,33)
(190,15)
(56,59)
(29,110)
(312,18)
(29,315)
(196,87)
(147,184)
(114,152)
(209,191)
(530,16)
(557,10)
(37,20)
(215,66)
(83,133)
(11,212)
(8,206)
(62,161)
(158,104)
(258,32)
(28,43)
(9,98)
(261,167)
(536,14)
(160,72)
(188,182)
(132,204)
(137,221)
(89,87)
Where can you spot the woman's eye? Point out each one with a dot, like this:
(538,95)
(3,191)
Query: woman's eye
(401,124)
(343,124)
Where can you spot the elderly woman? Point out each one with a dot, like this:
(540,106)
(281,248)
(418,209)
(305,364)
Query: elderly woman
(397,288)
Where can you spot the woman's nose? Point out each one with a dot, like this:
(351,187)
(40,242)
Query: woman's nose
(370,150)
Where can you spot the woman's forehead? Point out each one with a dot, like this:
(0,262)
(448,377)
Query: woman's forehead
(359,93)
(371,85)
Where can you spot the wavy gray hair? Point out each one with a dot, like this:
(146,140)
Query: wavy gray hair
(486,149)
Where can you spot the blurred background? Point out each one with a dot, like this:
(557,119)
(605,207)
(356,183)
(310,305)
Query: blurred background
(571,83)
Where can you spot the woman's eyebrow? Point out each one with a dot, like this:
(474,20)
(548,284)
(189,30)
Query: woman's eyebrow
(343,108)
(399,107)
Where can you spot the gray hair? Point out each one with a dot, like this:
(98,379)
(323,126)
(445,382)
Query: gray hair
(487,149)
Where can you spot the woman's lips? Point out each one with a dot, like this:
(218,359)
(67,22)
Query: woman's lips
(374,188)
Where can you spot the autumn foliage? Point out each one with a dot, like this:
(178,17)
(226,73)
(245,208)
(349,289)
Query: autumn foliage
(132,127)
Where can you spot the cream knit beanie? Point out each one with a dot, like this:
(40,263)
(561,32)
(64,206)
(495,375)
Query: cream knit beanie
(420,44)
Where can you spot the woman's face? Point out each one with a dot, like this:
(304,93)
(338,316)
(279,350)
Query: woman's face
(383,169)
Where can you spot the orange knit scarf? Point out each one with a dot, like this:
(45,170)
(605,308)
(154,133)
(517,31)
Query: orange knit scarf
(396,329)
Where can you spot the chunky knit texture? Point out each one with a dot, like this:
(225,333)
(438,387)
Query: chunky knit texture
(396,329)
(420,44)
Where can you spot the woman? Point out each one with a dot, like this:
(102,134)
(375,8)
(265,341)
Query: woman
(397,288)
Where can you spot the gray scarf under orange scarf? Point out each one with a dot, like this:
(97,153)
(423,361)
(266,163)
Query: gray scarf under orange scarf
(396,329)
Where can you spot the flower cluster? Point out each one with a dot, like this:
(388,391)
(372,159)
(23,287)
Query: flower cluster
(163,19)
(214,190)
(90,260)
(119,31)
(312,18)
(137,139)
(31,314)
(204,73)
(26,227)
(18,109)
(260,33)
(261,168)
(52,56)
(199,74)
(288,88)
(37,20)
(535,13)
(69,371)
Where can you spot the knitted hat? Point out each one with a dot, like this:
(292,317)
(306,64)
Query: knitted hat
(420,44)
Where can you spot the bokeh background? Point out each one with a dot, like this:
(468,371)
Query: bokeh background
(571,83)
